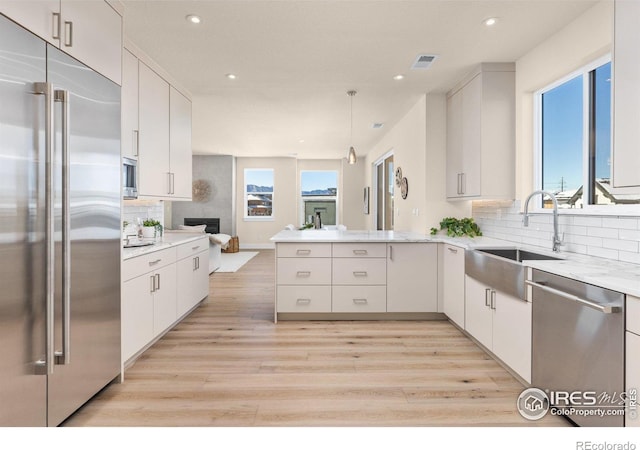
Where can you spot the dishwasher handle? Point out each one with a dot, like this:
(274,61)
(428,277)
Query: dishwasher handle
(605,309)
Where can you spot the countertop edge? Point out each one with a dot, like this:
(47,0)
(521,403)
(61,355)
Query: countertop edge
(167,242)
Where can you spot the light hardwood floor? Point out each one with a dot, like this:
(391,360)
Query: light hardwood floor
(228,364)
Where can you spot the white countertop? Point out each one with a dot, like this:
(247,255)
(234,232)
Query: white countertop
(348,236)
(616,275)
(168,239)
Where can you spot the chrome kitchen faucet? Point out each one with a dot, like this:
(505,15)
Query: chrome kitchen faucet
(557,242)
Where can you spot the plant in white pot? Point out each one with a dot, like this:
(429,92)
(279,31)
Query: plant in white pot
(151,228)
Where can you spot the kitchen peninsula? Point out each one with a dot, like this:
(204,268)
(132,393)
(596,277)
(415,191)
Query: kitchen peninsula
(356,275)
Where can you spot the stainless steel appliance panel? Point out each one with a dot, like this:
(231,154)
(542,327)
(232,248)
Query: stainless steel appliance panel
(22,227)
(87,325)
(577,347)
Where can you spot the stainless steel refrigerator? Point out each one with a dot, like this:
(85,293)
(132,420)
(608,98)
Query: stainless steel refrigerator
(59,231)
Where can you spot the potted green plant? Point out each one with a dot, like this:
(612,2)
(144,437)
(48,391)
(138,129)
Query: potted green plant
(151,228)
(458,227)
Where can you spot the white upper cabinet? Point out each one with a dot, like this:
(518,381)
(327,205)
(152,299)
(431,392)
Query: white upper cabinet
(89,30)
(156,129)
(153,156)
(626,95)
(180,154)
(130,127)
(481,135)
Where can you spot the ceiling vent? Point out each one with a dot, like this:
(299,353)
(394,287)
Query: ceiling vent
(423,61)
(377,125)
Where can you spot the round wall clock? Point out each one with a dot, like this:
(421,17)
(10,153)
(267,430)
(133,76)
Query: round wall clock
(404,188)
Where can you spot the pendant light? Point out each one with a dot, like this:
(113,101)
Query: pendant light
(352,151)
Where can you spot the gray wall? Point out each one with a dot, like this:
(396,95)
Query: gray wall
(219,171)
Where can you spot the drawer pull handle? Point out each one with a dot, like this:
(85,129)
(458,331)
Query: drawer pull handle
(303,251)
(153,263)
(360,301)
(303,301)
(360,274)
(195,248)
(452,250)
(303,274)
(360,252)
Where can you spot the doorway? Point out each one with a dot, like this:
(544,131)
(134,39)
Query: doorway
(384,180)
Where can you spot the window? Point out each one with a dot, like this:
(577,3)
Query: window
(258,194)
(574,149)
(319,193)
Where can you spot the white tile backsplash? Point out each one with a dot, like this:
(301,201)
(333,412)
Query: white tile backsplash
(609,237)
(143,209)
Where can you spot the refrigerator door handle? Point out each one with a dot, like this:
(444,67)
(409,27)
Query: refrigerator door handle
(64,357)
(46,89)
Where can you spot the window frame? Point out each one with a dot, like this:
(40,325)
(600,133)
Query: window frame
(248,218)
(302,217)
(583,73)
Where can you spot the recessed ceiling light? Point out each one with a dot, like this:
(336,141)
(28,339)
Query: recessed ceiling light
(377,125)
(398,77)
(301,141)
(491,21)
(231,76)
(192,18)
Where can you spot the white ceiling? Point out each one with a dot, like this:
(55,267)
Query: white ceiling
(296,59)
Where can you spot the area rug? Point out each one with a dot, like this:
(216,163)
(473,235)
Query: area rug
(231,262)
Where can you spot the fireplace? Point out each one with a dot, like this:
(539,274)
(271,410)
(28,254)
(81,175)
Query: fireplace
(213,225)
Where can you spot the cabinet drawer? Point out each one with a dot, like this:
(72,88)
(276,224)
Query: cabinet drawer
(360,250)
(302,250)
(359,299)
(633,314)
(303,271)
(310,299)
(360,271)
(192,248)
(148,262)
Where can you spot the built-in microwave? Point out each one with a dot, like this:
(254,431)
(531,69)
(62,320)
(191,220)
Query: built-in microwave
(129,178)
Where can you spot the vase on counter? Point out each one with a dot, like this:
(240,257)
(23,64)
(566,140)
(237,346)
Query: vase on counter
(317,223)
(149,232)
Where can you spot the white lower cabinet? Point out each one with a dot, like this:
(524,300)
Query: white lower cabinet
(304,299)
(500,322)
(412,277)
(453,284)
(359,299)
(193,274)
(158,289)
(165,305)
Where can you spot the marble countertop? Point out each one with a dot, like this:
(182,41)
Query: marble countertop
(169,239)
(348,236)
(616,275)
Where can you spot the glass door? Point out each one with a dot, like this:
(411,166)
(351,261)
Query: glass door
(384,175)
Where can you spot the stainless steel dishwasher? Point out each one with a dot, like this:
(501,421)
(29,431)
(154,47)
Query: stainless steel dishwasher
(578,347)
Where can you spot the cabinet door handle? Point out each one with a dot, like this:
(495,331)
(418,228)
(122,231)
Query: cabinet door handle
(391,252)
(486,297)
(361,273)
(153,263)
(173,183)
(169,182)
(158,284)
(303,274)
(303,301)
(493,299)
(452,250)
(458,186)
(303,251)
(197,262)
(463,183)
(153,283)
(55,32)
(68,33)
(360,301)
(136,142)
(360,252)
